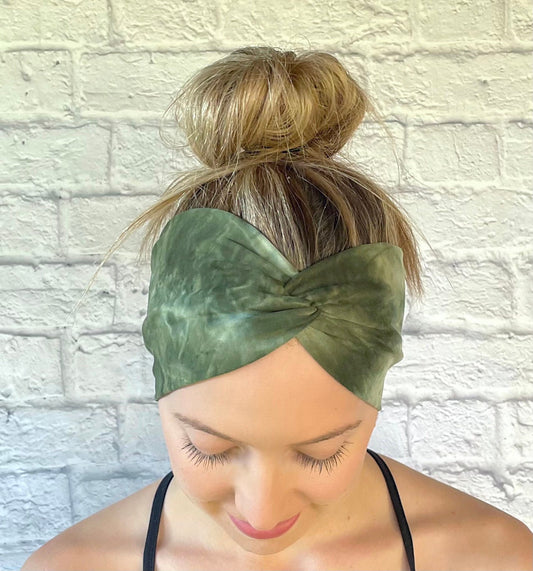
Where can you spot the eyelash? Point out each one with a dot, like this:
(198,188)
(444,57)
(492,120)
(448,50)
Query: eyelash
(212,459)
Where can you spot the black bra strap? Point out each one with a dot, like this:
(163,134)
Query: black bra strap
(398,509)
(153,526)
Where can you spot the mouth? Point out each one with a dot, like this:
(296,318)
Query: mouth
(280,529)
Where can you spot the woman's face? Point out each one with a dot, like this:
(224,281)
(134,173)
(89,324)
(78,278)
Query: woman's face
(256,469)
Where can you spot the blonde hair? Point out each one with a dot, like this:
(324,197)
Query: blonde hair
(267,124)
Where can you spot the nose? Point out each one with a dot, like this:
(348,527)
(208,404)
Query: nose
(262,495)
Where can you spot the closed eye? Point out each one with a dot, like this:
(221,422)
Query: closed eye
(211,460)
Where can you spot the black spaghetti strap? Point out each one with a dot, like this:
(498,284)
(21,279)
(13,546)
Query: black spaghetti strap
(153,527)
(398,509)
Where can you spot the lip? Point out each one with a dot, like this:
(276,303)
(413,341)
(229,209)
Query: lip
(280,529)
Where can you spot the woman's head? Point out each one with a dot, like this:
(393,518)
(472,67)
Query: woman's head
(258,471)
(268,127)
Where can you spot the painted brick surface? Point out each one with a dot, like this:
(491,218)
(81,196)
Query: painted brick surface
(84,86)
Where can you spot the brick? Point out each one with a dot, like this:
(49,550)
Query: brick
(44,295)
(434,87)
(30,367)
(110,366)
(38,80)
(484,218)
(372,152)
(452,152)
(133,282)
(463,290)
(35,505)
(141,435)
(441,363)
(452,430)
(390,434)
(56,157)
(522,19)
(524,292)
(95,223)
(516,432)
(28,20)
(481,21)
(240,22)
(139,158)
(517,165)
(29,226)
(54,437)
(122,81)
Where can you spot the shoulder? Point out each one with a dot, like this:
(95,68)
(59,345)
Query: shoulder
(64,552)
(510,541)
(491,540)
(109,539)
(454,530)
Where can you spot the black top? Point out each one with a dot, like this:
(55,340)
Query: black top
(157,506)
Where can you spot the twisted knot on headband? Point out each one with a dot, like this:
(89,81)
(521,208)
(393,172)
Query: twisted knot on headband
(222,296)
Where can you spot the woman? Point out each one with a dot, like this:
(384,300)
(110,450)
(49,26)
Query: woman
(275,309)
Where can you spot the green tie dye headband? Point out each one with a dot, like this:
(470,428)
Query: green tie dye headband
(222,296)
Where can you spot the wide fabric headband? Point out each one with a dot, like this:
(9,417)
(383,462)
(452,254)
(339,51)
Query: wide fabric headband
(222,296)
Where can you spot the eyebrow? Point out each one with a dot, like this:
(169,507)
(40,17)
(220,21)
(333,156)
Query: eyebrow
(201,426)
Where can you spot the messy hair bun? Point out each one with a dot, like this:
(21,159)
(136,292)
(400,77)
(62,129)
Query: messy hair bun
(262,102)
(266,124)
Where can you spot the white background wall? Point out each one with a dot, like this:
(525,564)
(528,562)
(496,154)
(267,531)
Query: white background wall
(83,88)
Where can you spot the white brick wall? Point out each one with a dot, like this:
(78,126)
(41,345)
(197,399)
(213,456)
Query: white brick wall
(84,86)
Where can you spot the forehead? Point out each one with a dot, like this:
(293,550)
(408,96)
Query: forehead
(283,383)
